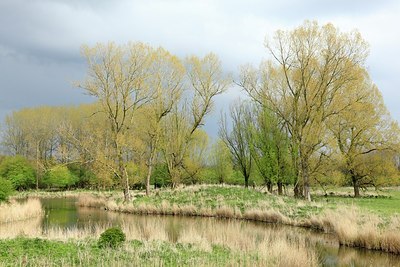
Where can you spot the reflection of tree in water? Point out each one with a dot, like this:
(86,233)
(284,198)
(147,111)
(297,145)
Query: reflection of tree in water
(173,227)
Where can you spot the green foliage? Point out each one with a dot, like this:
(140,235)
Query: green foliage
(18,171)
(221,161)
(111,238)
(270,148)
(39,252)
(85,177)
(160,176)
(6,188)
(59,177)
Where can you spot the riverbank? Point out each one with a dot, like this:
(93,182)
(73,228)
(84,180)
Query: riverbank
(149,245)
(352,224)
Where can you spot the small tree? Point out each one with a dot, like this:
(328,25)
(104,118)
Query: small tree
(270,149)
(6,189)
(221,161)
(238,140)
(60,177)
(18,171)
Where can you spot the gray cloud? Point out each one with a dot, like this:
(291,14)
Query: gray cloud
(40,39)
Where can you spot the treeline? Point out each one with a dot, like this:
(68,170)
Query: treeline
(70,147)
(313,117)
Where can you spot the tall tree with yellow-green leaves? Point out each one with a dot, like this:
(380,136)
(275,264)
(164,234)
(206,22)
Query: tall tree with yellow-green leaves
(303,83)
(205,79)
(167,74)
(366,136)
(118,77)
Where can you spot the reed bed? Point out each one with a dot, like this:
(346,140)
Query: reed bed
(351,226)
(242,240)
(18,211)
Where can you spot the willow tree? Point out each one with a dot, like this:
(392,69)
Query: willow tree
(117,77)
(303,83)
(270,149)
(167,82)
(204,80)
(366,136)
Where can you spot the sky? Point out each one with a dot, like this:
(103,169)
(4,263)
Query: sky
(40,40)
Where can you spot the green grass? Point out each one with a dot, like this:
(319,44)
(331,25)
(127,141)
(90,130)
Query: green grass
(385,202)
(210,197)
(39,252)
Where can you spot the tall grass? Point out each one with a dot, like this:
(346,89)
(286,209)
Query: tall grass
(359,229)
(18,211)
(269,246)
(351,226)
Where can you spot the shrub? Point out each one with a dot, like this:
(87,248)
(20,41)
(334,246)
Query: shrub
(111,238)
(6,189)
(18,171)
(59,177)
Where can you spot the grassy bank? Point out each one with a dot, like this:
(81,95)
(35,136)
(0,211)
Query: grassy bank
(38,252)
(350,220)
(150,247)
(371,222)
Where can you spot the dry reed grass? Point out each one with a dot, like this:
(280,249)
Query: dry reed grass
(356,229)
(271,245)
(17,211)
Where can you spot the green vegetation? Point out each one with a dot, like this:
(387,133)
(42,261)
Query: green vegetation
(59,177)
(39,252)
(18,171)
(111,238)
(6,188)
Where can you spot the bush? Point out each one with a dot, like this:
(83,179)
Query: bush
(111,238)
(85,177)
(6,189)
(18,171)
(59,177)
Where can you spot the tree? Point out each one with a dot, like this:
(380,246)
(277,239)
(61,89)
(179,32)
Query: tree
(6,189)
(117,77)
(205,80)
(366,136)
(59,176)
(238,139)
(18,171)
(221,161)
(270,149)
(167,81)
(303,84)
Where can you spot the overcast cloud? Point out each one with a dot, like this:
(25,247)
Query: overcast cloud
(40,39)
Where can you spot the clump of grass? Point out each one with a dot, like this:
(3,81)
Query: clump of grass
(91,201)
(17,211)
(270,216)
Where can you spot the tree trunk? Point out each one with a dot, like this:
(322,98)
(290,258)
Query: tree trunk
(306,181)
(298,190)
(280,191)
(356,187)
(37,167)
(269,187)
(246,181)
(149,170)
